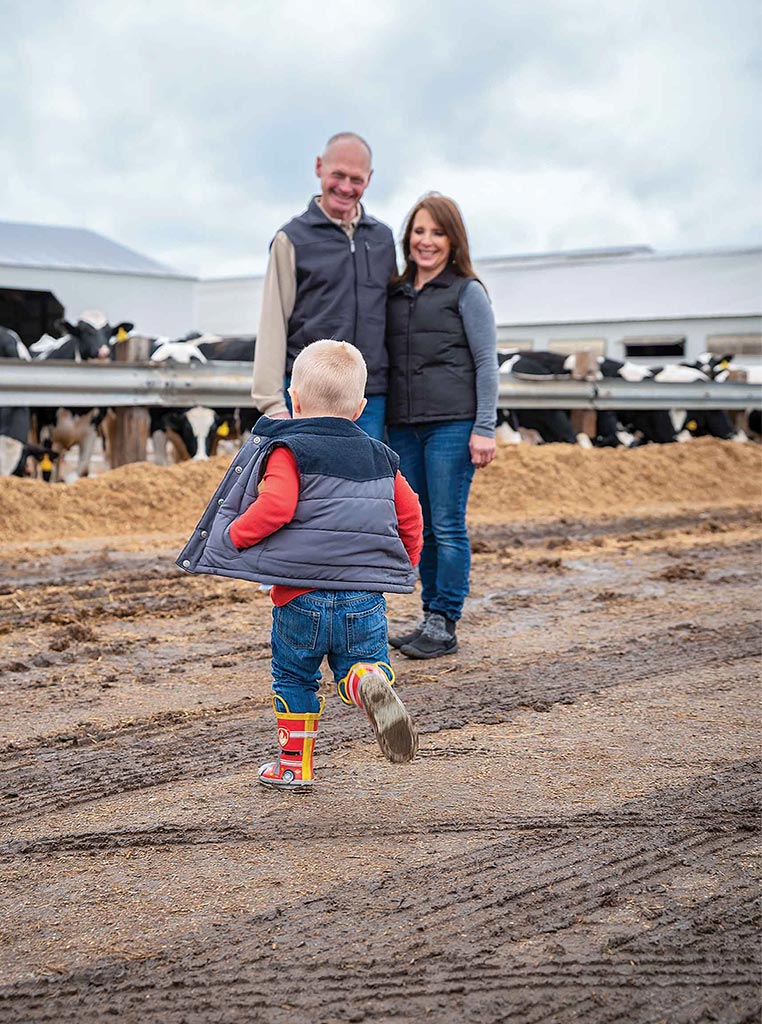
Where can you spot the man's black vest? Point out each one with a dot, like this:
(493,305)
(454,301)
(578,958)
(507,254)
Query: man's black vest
(341,288)
(431,370)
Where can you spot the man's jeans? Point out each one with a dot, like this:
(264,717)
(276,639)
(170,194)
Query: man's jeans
(436,462)
(372,420)
(346,625)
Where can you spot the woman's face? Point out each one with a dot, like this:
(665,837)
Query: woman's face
(429,245)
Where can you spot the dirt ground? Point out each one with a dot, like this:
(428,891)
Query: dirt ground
(577,840)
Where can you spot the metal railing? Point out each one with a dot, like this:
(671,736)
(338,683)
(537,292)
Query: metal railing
(53,382)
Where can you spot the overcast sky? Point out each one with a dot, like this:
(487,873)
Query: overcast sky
(188,130)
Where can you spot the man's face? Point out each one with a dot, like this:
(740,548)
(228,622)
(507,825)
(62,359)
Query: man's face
(344,172)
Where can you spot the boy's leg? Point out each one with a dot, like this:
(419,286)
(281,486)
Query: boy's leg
(298,645)
(358,658)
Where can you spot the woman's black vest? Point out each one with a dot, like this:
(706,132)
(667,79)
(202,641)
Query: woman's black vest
(341,287)
(431,369)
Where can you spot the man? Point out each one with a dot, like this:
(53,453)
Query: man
(326,278)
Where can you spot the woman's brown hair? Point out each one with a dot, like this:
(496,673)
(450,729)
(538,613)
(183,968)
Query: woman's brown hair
(446,214)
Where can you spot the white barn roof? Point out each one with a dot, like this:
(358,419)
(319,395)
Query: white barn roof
(42,246)
(607,286)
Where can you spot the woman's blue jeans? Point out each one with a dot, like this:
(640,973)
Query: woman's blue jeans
(436,461)
(345,625)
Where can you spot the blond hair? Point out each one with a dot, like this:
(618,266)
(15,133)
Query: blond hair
(329,378)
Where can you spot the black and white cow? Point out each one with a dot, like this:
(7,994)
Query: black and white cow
(195,433)
(89,338)
(659,426)
(64,428)
(550,425)
(14,420)
(665,426)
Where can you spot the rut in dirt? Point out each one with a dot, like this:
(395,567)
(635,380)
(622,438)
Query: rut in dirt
(575,920)
(60,773)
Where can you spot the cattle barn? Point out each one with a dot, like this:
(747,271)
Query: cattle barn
(633,304)
(47,272)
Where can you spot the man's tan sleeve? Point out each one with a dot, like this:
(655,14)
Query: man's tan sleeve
(278,298)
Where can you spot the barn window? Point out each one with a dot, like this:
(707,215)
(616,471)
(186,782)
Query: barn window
(655,345)
(734,344)
(569,346)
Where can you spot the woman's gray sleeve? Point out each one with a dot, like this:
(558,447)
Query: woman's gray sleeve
(479,325)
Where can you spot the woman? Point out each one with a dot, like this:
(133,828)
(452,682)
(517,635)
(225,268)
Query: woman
(441,405)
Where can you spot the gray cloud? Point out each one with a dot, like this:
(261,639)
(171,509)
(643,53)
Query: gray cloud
(189,130)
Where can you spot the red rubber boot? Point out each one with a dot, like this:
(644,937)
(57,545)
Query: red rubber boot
(296,739)
(368,685)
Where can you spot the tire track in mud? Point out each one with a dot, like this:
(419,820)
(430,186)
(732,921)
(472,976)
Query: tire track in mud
(562,532)
(56,776)
(524,928)
(113,586)
(114,596)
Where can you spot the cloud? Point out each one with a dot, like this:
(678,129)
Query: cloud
(189,131)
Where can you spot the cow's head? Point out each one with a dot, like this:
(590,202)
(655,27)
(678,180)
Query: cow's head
(715,367)
(93,334)
(195,433)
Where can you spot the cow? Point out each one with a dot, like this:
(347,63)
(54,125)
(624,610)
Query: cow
(195,433)
(550,425)
(14,420)
(63,428)
(89,338)
(662,426)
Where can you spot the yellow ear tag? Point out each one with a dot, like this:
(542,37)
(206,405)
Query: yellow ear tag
(122,335)
(691,425)
(46,463)
(223,430)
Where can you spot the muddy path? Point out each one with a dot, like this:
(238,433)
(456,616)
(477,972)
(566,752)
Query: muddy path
(577,840)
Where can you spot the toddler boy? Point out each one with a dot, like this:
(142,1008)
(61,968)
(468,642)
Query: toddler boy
(316,508)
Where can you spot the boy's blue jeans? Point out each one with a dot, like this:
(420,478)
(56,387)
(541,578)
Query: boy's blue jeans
(345,625)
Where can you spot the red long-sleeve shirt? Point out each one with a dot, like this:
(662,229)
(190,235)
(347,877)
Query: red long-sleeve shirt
(276,505)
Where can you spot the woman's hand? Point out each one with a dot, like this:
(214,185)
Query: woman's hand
(482,450)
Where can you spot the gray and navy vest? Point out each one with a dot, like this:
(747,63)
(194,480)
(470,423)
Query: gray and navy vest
(431,370)
(341,287)
(344,534)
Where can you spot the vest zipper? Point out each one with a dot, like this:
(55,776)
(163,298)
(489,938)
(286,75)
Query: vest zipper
(411,306)
(352,248)
(367,261)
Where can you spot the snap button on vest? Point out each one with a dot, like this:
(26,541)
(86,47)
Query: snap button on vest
(239,469)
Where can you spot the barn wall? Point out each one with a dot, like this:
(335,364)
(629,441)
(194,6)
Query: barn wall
(695,332)
(156,305)
(691,294)
(229,305)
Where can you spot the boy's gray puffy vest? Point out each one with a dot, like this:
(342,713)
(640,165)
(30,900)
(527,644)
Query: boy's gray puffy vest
(341,288)
(344,534)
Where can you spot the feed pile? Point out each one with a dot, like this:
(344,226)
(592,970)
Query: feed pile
(524,482)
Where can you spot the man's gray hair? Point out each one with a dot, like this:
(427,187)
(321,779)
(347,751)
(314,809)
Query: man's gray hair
(349,137)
